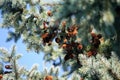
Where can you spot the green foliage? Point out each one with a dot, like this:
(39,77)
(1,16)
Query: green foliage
(17,72)
(63,30)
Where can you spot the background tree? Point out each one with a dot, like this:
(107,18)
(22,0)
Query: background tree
(82,34)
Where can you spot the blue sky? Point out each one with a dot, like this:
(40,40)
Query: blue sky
(28,58)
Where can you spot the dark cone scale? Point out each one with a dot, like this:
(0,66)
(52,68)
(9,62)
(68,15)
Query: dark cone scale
(8,66)
(7,72)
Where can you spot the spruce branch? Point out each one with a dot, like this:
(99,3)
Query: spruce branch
(51,4)
(114,75)
(40,29)
(15,69)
